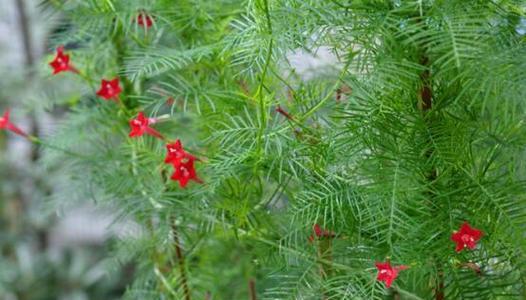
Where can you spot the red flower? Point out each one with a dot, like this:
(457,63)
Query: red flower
(176,154)
(144,20)
(61,62)
(185,172)
(387,273)
(467,236)
(170,101)
(141,125)
(6,124)
(183,162)
(109,89)
(320,233)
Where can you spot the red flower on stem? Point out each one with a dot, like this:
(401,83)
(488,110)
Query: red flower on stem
(185,172)
(6,124)
(387,273)
(170,101)
(144,20)
(61,62)
(176,154)
(183,163)
(110,89)
(320,233)
(141,125)
(467,236)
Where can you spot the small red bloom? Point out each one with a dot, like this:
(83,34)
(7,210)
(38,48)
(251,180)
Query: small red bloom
(141,125)
(183,162)
(185,172)
(170,101)
(387,273)
(283,112)
(320,233)
(61,62)
(109,89)
(176,154)
(144,20)
(6,124)
(467,236)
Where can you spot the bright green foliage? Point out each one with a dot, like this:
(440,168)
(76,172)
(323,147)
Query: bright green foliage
(393,171)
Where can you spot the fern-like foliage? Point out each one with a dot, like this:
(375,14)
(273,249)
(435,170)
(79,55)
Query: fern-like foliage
(417,126)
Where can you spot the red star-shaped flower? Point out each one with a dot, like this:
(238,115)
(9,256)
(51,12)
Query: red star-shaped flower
(141,125)
(387,273)
(467,236)
(320,233)
(61,62)
(143,19)
(183,163)
(6,124)
(176,154)
(109,89)
(185,172)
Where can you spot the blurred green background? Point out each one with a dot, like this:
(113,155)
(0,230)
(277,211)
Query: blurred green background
(47,252)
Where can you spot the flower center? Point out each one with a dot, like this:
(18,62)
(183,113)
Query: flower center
(386,272)
(185,172)
(466,239)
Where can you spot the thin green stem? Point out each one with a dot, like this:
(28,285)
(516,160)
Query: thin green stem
(120,47)
(259,92)
(267,15)
(329,95)
(87,79)
(35,140)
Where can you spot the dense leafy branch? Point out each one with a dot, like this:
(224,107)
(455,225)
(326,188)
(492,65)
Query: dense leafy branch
(415,127)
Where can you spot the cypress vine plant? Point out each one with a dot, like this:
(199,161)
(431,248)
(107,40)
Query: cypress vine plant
(397,173)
